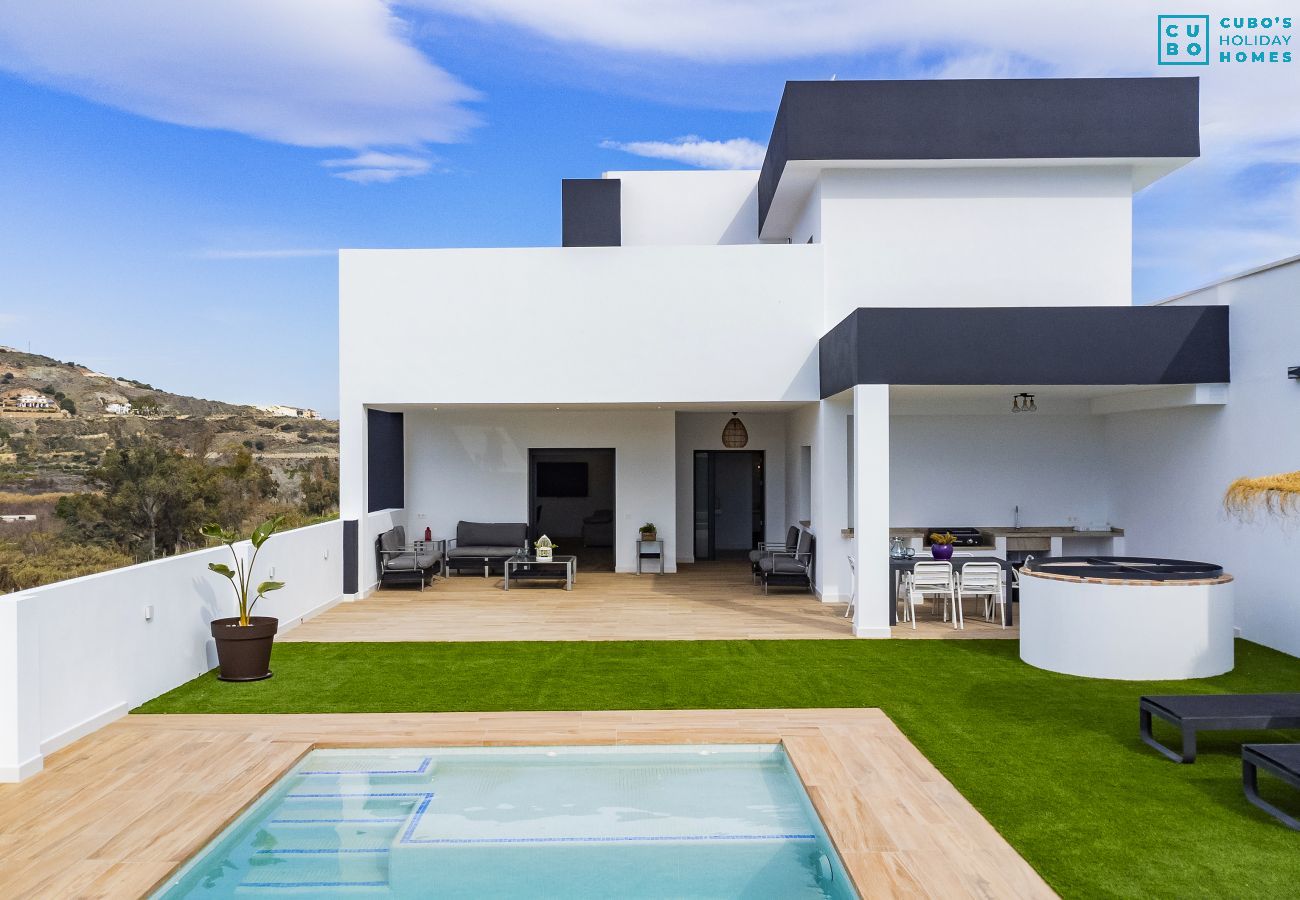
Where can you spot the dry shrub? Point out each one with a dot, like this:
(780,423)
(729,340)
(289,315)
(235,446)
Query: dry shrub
(1276,495)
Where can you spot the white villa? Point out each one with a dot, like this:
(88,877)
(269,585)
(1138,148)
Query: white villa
(874,305)
(917,316)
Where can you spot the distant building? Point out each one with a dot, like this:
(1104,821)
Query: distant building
(26,400)
(118,409)
(22,517)
(289,412)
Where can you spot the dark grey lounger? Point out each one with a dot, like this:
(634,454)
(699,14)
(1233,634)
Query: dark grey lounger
(1215,712)
(1282,760)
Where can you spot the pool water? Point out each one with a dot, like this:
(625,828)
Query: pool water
(680,821)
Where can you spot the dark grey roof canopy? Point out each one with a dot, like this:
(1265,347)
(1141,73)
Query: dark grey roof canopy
(981,119)
(1087,345)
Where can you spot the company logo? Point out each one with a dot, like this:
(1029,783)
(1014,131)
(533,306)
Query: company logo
(1184,40)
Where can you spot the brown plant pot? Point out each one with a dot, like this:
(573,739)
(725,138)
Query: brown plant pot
(244,651)
(649,535)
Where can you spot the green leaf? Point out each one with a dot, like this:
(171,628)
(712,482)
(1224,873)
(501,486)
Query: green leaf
(213,530)
(267,586)
(222,569)
(264,531)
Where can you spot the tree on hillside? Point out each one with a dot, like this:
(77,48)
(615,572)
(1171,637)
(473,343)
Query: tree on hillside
(237,488)
(147,493)
(319,483)
(153,500)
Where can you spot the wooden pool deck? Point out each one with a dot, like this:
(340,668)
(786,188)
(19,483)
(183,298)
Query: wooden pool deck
(116,812)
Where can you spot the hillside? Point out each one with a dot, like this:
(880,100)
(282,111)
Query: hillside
(93,391)
(81,413)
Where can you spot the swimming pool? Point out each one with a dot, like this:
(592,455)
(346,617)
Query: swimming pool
(484,822)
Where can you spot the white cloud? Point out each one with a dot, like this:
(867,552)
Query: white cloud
(995,38)
(736,153)
(313,73)
(372,166)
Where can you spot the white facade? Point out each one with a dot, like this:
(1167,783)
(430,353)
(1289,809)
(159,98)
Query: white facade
(647,348)
(688,208)
(1170,467)
(985,236)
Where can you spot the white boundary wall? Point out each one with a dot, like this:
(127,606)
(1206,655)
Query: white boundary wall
(77,654)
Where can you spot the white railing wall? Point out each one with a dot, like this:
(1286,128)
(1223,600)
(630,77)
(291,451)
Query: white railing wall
(77,654)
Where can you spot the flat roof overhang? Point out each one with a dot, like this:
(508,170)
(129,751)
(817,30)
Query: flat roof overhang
(1041,345)
(1149,124)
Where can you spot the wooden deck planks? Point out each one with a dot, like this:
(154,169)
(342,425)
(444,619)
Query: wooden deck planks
(704,601)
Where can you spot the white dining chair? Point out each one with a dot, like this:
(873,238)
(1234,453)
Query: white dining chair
(903,595)
(853,589)
(983,579)
(936,579)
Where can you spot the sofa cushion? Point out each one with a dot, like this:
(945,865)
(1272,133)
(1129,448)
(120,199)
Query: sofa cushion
(393,539)
(491,534)
(783,565)
(409,561)
(400,562)
(482,551)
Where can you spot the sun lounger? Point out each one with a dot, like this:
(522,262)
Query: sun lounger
(1192,713)
(1282,760)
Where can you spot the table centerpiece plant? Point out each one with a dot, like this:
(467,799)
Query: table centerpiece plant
(941,545)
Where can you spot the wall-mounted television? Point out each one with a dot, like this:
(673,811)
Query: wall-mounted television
(561,479)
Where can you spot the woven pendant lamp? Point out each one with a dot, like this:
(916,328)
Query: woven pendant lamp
(734,435)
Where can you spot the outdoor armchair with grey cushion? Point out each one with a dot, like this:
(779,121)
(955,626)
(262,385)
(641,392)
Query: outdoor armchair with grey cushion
(786,568)
(483,545)
(767,548)
(397,562)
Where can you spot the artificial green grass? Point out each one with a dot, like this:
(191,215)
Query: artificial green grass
(1054,762)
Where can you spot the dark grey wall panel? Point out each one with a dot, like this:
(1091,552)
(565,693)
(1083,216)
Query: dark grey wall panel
(1033,345)
(385,460)
(986,118)
(593,212)
(350,576)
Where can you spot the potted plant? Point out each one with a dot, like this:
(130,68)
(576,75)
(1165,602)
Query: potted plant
(649,532)
(244,641)
(941,545)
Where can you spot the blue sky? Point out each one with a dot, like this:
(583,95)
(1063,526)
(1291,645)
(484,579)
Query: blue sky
(174,189)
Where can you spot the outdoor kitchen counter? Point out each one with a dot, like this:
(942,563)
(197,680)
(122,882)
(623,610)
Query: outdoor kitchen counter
(1024,531)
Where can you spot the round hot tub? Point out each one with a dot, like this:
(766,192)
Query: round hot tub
(1126,617)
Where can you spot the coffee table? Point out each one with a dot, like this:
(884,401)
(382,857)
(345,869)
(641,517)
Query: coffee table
(527,567)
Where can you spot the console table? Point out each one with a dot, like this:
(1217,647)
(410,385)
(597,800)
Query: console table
(656,551)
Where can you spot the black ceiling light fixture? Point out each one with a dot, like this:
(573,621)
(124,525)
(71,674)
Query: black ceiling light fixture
(1023,402)
(1293,373)
(734,435)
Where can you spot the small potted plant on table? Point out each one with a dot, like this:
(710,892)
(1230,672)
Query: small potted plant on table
(941,545)
(649,532)
(244,642)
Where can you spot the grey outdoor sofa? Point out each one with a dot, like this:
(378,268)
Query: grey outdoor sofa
(785,568)
(396,562)
(485,545)
(767,548)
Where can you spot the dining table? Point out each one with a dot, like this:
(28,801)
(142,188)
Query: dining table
(898,566)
